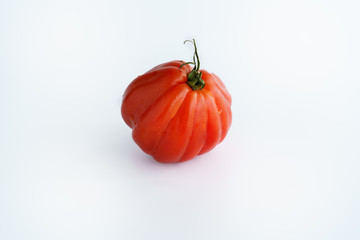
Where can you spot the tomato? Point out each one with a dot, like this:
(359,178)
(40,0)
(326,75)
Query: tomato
(177,111)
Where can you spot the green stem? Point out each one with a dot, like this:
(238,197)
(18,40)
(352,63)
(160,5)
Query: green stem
(194,77)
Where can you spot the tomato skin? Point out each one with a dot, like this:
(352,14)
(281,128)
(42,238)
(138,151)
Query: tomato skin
(171,121)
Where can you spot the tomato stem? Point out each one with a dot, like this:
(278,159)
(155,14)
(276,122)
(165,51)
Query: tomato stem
(194,77)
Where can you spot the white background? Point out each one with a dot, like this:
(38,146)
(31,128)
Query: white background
(288,169)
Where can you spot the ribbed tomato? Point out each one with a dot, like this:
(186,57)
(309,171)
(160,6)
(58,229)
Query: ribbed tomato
(177,112)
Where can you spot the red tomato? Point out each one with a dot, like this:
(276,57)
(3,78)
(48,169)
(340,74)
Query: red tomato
(176,111)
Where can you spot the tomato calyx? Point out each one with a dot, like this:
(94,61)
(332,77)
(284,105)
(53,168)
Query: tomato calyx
(194,77)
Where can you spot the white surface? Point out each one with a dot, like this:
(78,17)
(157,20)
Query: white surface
(288,169)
